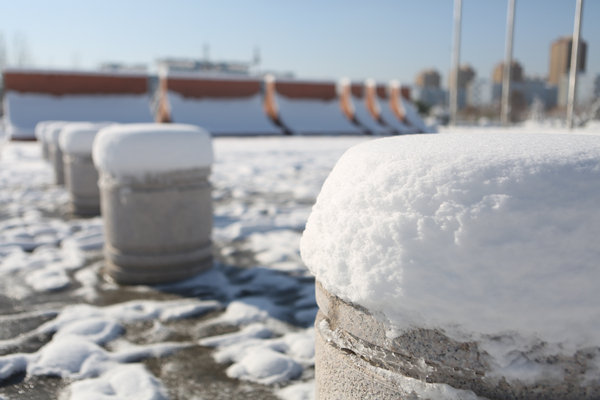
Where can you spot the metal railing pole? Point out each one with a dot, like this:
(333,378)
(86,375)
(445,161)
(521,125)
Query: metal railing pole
(506,72)
(455,62)
(573,70)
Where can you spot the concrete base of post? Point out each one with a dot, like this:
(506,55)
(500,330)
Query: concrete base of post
(45,151)
(157,229)
(356,360)
(81,179)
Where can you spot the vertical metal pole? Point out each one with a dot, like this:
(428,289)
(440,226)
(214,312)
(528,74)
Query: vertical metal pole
(455,62)
(506,78)
(574,58)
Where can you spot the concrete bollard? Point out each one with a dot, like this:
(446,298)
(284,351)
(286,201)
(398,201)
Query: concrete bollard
(459,265)
(81,177)
(40,136)
(156,201)
(52,133)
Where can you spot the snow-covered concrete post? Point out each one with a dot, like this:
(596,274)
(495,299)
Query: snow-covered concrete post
(459,265)
(156,201)
(52,133)
(40,136)
(81,177)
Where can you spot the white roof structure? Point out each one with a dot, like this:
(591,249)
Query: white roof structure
(379,96)
(223,105)
(32,96)
(309,107)
(353,95)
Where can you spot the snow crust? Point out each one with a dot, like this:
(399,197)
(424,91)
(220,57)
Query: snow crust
(476,234)
(78,137)
(136,150)
(266,187)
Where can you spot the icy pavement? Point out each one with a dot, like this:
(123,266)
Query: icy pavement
(241,330)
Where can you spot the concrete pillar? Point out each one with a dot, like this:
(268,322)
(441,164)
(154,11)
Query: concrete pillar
(52,133)
(81,177)
(436,280)
(156,201)
(40,135)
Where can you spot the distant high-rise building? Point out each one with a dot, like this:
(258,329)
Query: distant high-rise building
(560,58)
(516,72)
(466,74)
(428,78)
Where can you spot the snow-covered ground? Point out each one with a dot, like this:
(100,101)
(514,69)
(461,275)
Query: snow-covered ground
(242,330)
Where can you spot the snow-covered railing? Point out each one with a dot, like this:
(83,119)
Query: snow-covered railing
(221,104)
(81,177)
(380,104)
(35,95)
(459,265)
(307,107)
(155,200)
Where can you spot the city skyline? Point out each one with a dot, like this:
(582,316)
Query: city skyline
(386,40)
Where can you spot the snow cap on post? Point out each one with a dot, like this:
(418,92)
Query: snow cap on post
(472,233)
(136,150)
(52,132)
(78,137)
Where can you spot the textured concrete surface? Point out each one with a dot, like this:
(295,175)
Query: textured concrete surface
(342,375)
(431,356)
(81,179)
(157,229)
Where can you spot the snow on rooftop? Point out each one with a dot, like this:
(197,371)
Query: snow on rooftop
(223,115)
(24,110)
(78,137)
(135,150)
(476,234)
(314,116)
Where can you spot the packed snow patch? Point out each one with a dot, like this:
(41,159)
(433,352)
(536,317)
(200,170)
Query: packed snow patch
(476,234)
(298,391)
(258,358)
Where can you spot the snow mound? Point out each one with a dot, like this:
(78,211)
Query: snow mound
(78,137)
(123,382)
(298,391)
(135,150)
(476,234)
(257,358)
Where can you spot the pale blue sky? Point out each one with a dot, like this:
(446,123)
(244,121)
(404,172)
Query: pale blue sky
(387,39)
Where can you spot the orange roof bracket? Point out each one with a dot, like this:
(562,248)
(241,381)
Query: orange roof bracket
(163,112)
(270,100)
(345,96)
(395,101)
(371,102)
